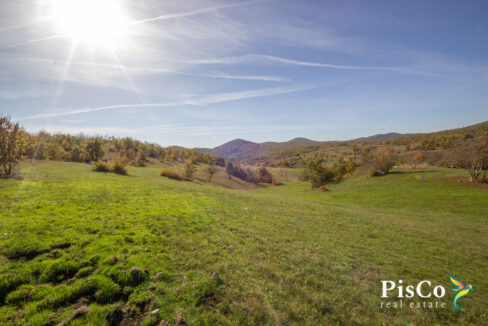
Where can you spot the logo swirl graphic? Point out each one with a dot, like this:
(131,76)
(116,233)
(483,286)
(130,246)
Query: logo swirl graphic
(461,290)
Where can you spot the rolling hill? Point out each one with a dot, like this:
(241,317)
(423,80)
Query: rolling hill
(236,149)
(244,150)
(298,150)
(381,137)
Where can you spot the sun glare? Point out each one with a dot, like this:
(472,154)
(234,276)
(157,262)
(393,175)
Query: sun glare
(95,22)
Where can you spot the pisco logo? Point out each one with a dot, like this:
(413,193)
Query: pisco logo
(423,294)
(461,290)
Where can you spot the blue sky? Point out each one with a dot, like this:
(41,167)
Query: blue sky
(200,73)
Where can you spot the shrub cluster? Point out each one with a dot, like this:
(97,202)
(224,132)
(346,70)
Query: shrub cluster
(116,167)
(172,174)
(188,172)
(319,175)
(277,181)
(264,176)
(101,166)
(240,173)
(379,160)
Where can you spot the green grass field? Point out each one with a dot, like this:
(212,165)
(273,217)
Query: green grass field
(85,248)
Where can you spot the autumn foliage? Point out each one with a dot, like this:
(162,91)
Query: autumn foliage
(13,144)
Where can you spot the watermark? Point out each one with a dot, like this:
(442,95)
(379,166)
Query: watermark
(424,294)
(461,290)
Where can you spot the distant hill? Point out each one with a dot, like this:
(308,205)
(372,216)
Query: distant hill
(444,138)
(237,149)
(298,150)
(299,141)
(244,150)
(202,149)
(381,137)
(177,147)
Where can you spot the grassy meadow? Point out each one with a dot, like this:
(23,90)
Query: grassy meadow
(85,248)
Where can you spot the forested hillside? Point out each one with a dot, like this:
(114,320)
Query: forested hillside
(298,151)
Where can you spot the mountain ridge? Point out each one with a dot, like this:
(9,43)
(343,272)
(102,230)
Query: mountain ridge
(242,149)
(301,148)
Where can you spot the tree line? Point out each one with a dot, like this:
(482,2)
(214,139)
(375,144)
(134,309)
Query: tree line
(469,153)
(467,149)
(17,144)
(82,148)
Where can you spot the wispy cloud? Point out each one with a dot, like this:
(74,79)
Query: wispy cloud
(196,101)
(195,12)
(42,39)
(138,22)
(159,70)
(234,96)
(104,108)
(69,129)
(263,57)
(318,64)
(22,26)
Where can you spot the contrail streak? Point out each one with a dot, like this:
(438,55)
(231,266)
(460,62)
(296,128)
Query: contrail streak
(322,65)
(254,57)
(102,108)
(194,12)
(263,57)
(164,70)
(52,37)
(14,27)
(204,100)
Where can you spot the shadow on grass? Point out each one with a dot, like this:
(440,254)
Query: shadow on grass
(411,172)
(7,177)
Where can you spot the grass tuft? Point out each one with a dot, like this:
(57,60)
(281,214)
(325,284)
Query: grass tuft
(59,271)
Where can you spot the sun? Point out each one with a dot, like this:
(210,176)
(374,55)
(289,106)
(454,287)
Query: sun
(94,22)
